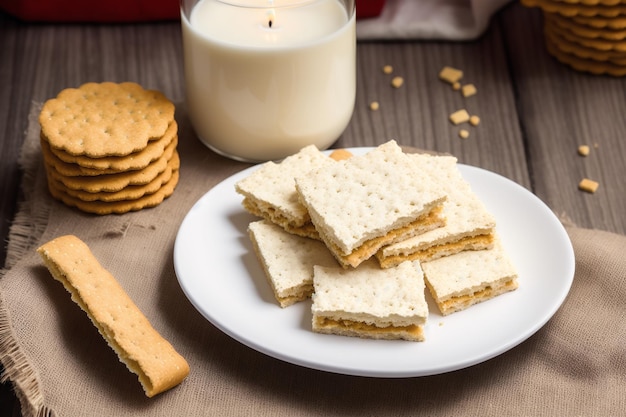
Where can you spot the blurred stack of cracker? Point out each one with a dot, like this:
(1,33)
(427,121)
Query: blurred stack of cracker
(587,35)
(110,148)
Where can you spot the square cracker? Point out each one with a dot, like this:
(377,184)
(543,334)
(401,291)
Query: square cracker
(270,191)
(287,260)
(370,200)
(370,302)
(459,281)
(469,225)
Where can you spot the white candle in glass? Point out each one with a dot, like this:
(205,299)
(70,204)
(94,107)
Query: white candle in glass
(263,82)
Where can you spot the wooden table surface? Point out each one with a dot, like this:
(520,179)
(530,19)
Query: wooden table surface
(534,111)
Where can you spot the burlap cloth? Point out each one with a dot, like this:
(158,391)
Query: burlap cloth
(574,366)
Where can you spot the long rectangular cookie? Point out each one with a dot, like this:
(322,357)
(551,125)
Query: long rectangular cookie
(125,328)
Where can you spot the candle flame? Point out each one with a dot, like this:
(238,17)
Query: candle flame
(271,17)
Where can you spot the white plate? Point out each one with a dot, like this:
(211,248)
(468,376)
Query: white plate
(219,273)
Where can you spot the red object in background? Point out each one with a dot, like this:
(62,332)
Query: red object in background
(111,11)
(369,8)
(122,11)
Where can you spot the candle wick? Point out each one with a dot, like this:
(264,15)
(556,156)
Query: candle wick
(271,15)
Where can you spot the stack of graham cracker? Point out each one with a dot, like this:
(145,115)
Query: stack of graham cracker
(365,235)
(109,147)
(587,35)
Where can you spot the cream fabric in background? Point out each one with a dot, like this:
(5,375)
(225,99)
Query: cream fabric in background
(430,19)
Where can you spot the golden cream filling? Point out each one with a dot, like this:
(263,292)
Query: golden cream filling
(300,228)
(429,221)
(271,213)
(361,327)
(460,302)
(477,242)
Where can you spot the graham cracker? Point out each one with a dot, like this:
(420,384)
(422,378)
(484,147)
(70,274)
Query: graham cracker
(270,192)
(372,200)
(469,225)
(287,260)
(459,281)
(370,302)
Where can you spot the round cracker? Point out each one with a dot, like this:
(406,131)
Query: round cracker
(572,48)
(117,207)
(584,65)
(593,2)
(585,31)
(570,10)
(616,23)
(604,45)
(132,192)
(74,170)
(116,182)
(105,119)
(134,161)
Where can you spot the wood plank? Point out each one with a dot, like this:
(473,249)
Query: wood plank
(561,109)
(15,70)
(417,113)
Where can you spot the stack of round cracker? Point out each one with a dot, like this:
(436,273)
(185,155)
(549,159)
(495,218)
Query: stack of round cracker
(587,35)
(110,148)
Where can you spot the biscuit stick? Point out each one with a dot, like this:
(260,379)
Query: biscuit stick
(129,333)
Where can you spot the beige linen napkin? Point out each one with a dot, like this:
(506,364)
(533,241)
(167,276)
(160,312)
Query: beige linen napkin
(60,366)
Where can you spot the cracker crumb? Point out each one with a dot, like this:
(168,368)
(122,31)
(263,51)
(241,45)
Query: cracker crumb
(456,86)
(464,133)
(583,150)
(387,69)
(397,82)
(459,116)
(340,154)
(374,105)
(450,75)
(440,323)
(468,90)
(474,120)
(588,185)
